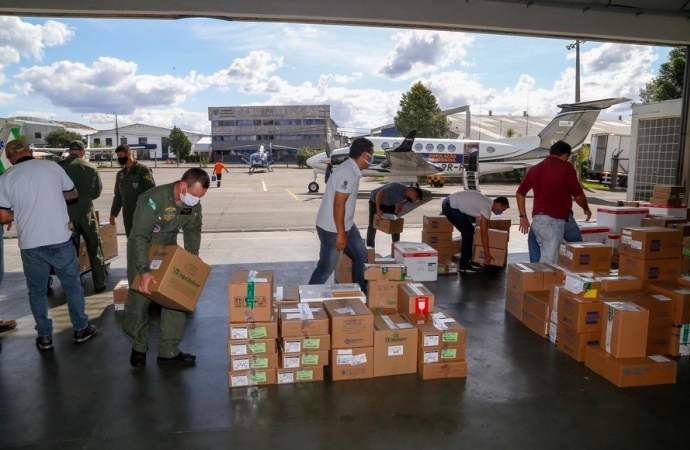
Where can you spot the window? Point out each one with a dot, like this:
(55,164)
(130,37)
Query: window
(418,147)
(429,147)
(288,121)
(385,145)
(37,135)
(123,141)
(142,141)
(451,148)
(313,121)
(108,142)
(441,147)
(268,122)
(97,141)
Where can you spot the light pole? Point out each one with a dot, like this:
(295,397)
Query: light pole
(576,45)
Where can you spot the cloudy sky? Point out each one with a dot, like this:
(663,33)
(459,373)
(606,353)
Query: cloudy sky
(169,73)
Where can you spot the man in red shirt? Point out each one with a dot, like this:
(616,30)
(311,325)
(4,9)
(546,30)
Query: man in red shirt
(555,185)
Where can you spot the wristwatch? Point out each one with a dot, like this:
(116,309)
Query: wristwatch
(523,216)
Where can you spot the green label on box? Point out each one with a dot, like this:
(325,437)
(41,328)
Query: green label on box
(311,343)
(257,333)
(259,347)
(449,353)
(305,375)
(450,336)
(260,363)
(310,360)
(258,377)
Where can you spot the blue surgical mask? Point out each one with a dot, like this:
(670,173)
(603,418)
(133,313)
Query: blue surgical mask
(497,212)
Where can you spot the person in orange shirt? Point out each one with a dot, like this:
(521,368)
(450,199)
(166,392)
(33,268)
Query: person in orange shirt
(218,170)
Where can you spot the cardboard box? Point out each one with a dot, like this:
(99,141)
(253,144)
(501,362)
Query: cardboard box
(317,293)
(343,269)
(500,224)
(499,255)
(624,332)
(659,341)
(297,344)
(585,256)
(252,378)
(375,272)
(537,303)
(352,324)
(497,238)
(444,255)
(618,283)
(83,257)
(120,294)
(286,295)
(668,191)
(582,316)
(438,239)
(390,226)
(383,294)
(311,358)
(180,276)
(663,221)
(679,292)
(650,242)
(303,375)
(254,330)
(661,308)
(252,347)
(420,259)
(629,372)
(304,320)
(650,269)
(680,340)
(665,201)
(395,345)
(582,287)
(573,343)
(521,278)
(352,363)
(254,362)
(438,330)
(534,323)
(437,224)
(251,296)
(108,235)
(415,298)
(456,369)
(445,353)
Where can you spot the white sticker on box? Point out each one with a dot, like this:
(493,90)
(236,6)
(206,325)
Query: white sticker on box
(569,255)
(286,377)
(345,311)
(155,264)
(661,297)
(238,349)
(609,327)
(305,311)
(396,350)
(637,245)
(389,322)
(240,364)
(626,239)
(416,288)
(239,333)
(290,362)
(682,291)
(278,296)
(359,359)
(343,360)
(239,380)
(431,340)
(293,346)
(659,358)
(293,316)
(431,357)
(561,249)
(405,326)
(523,268)
(119,306)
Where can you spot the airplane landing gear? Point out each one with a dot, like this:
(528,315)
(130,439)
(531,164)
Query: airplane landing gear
(314,186)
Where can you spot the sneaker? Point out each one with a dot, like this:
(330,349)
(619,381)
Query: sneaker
(182,358)
(85,334)
(7,325)
(44,342)
(474,265)
(137,359)
(467,269)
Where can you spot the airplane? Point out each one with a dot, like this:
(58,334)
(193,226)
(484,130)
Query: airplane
(420,157)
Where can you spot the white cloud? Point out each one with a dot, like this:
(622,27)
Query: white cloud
(109,84)
(254,68)
(417,52)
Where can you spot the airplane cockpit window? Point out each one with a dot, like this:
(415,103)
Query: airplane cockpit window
(441,147)
(418,147)
(429,147)
(451,148)
(385,145)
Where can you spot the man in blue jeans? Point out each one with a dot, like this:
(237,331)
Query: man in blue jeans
(571,233)
(33,195)
(335,221)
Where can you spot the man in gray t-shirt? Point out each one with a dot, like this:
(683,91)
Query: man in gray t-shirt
(389,198)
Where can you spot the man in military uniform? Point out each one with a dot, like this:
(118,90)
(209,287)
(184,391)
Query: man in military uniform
(160,214)
(133,180)
(82,214)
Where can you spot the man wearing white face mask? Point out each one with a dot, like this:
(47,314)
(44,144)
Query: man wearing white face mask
(462,209)
(160,214)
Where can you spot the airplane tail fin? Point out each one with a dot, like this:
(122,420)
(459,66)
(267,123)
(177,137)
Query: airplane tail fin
(574,122)
(406,145)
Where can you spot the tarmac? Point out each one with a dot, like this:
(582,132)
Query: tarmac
(520,391)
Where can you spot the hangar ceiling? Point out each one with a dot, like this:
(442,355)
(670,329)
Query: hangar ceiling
(661,22)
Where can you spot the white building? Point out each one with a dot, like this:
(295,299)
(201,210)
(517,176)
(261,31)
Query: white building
(152,138)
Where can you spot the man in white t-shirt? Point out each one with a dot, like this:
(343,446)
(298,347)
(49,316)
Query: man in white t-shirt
(462,209)
(335,221)
(33,195)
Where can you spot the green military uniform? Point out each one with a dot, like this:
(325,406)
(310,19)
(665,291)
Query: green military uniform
(130,183)
(157,220)
(86,179)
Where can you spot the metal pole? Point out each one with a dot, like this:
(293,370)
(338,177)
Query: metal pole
(577,70)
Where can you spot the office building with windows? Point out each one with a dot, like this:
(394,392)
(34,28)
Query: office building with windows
(238,130)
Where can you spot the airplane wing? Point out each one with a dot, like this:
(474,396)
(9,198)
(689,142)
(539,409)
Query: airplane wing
(404,159)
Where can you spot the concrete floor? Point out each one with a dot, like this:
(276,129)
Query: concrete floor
(520,393)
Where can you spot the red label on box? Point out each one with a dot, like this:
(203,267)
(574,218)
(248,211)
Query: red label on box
(421,305)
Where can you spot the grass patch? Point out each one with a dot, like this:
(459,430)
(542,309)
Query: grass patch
(595,186)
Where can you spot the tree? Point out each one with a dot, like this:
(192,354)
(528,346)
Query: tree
(62,138)
(419,111)
(669,84)
(510,132)
(179,144)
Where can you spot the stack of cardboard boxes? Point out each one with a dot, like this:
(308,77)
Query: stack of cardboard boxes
(498,246)
(650,253)
(437,232)
(382,286)
(305,343)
